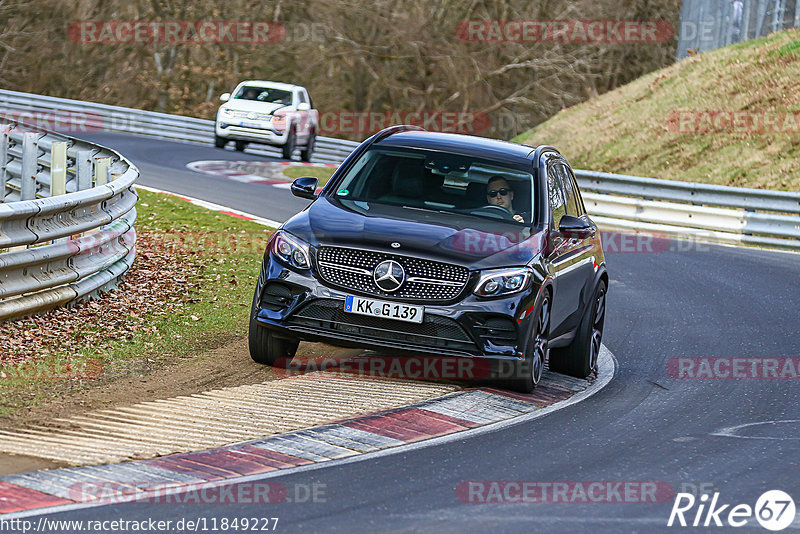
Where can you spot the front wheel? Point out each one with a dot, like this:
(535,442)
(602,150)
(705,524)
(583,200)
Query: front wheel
(527,373)
(579,359)
(306,153)
(240,146)
(266,348)
(220,142)
(291,142)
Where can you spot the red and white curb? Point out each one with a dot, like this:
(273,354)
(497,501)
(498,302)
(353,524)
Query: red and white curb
(216,207)
(455,416)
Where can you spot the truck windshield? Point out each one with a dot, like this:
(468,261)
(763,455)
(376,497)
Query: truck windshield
(264,94)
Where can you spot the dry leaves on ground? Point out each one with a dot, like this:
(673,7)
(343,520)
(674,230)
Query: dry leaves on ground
(159,283)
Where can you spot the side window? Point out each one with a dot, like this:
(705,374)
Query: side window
(555,195)
(570,194)
(302,97)
(578,197)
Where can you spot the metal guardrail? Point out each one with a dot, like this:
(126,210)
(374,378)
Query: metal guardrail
(630,203)
(67,210)
(713,213)
(101,117)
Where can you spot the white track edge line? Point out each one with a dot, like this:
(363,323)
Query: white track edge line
(213,207)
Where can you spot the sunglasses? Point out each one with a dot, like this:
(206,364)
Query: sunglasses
(503,192)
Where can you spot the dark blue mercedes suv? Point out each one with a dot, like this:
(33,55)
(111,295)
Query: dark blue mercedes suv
(439,244)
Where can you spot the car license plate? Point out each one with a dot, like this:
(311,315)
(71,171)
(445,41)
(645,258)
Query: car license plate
(247,124)
(386,310)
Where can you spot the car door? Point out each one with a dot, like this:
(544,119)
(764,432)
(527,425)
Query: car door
(586,249)
(565,254)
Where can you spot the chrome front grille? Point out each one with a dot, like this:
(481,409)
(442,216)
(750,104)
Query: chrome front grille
(258,115)
(426,280)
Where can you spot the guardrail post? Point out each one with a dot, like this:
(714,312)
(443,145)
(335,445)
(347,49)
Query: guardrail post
(83,169)
(30,163)
(3,161)
(58,168)
(101,169)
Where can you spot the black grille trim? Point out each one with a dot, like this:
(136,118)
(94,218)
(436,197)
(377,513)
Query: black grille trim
(328,315)
(497,330)
(426,280)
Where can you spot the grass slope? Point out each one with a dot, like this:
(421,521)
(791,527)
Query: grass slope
(627,130)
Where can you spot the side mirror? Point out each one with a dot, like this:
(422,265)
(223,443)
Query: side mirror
(224,97)
(305,187)
(303,106)
(575,227)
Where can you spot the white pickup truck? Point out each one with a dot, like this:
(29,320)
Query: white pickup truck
(270,113)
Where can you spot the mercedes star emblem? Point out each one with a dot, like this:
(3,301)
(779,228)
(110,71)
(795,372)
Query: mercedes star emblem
(389,275)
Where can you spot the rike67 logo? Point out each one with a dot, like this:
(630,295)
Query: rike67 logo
(774,510)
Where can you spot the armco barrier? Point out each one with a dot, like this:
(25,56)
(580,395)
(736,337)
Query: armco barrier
(680,209)
(714,213)
(67,210)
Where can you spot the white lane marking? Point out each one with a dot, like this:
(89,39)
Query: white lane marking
(607,366)
(731,431)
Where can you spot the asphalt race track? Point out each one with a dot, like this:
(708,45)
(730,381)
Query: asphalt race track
(693,300)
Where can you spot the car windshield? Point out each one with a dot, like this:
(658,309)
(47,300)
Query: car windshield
(264,94)
(468,187)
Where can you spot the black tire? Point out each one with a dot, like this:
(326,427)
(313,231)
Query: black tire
(579,358)
(308,151)
(240,146)
(527,373)
(265,347)
(291,143)
(220,142)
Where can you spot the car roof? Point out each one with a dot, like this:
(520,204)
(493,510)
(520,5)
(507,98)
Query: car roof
(271,85)
(467,145)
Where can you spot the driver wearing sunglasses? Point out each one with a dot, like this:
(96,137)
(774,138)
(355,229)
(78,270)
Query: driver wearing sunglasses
(499,193)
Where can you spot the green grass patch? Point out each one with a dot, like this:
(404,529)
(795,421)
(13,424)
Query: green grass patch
(323,174)
(188,292)
(790,48)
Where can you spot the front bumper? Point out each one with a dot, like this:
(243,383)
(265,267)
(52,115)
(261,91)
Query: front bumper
(309,310)
(266,134)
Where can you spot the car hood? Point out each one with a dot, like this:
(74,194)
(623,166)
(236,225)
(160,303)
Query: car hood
(470,242)
(252,105)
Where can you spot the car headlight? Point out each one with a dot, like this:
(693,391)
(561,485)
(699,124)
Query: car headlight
(501,282)
(279,121)
(292,250)
(227,112)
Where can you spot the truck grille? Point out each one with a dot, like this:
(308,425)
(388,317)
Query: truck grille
(426,280)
